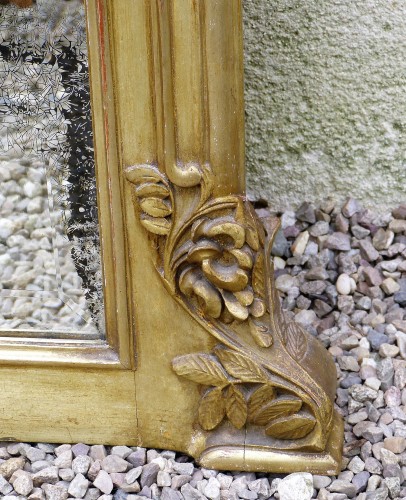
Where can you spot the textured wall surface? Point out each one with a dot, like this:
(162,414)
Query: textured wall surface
(326,100)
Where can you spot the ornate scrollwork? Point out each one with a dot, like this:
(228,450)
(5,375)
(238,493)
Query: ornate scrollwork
(213,254)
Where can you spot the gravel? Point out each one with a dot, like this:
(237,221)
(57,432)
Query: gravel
(349,293)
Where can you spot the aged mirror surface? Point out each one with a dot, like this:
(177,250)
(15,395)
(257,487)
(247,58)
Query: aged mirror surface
(50,269)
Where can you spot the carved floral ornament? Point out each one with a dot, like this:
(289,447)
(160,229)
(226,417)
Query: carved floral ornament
(213,255)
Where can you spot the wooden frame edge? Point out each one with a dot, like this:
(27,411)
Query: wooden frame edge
(117,349)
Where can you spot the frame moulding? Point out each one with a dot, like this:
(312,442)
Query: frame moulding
(202,358)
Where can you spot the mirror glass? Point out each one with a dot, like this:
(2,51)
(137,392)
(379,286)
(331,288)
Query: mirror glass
(50,269)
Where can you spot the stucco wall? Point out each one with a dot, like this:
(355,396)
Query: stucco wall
(326,100)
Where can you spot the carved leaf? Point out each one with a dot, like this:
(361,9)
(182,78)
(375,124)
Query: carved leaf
(259,398)
(234,307)
(272,226)
(152,189)
(240,366)
(252,237)
(230,278)
(258,308)
(253,228)
(204,249)
(261,333)
(275,306)
(180,254)
(187,279)
(296,341)
(144,173)
(293,427)
(243,256)
(280,407)
(240,212)
(212,409)
(258,280)
(210,298)
(156,225)
(156,207)
(236,407)
(226,226)
(245,215)
(245,297)
(201,368)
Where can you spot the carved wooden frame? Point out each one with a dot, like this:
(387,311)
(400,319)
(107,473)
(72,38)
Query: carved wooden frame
(200,356)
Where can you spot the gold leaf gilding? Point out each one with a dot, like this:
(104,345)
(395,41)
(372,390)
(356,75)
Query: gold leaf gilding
(280,407)
(155,207)
(156,225)
(292,427)
(259,398)
(211,409)
(200,368)
(240,366)
(236,407)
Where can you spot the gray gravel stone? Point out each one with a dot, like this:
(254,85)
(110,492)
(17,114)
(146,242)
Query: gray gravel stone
(338,241)
(55,492)
(169,494)
(35,454)
(113,463)
(360,481)
(345,487)
(190,493)
(149,474)
(137,457)
(80,449)
(49,475)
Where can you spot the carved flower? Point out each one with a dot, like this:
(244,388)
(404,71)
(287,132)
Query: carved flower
(219,271)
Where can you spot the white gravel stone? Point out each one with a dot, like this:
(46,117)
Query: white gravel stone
(103,482)
(64,460)
(78,486)
(23,484)
(35,454)
(66,474)
(297,486)
(98,452)
(163,479)
(121,451)
(299,246)
(212,489)
(55,492)
(81,464)
(5,486)
(49,475)
(113,463)
(343,284)
(183,468)
(134,474)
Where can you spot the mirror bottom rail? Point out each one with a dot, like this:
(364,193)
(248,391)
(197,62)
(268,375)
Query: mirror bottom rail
(99,406)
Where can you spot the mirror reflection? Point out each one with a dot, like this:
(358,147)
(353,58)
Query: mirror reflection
(50,270)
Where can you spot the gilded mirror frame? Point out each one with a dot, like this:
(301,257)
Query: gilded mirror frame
(200,357)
